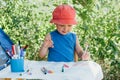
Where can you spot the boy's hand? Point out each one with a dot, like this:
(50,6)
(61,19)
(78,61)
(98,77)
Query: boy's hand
(48,42)
(86,56)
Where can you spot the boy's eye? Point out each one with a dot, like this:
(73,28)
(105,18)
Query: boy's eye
(69,25)
(62,25)
(65,25)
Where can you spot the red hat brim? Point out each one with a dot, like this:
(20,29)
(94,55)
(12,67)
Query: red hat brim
(70,22)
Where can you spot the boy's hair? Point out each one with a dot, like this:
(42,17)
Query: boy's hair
(64,14)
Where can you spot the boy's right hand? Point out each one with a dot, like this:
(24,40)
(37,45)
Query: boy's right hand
(48,42)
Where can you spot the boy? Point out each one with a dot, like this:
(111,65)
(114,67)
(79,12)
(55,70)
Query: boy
(61,44)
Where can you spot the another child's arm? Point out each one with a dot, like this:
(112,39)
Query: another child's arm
(46,44)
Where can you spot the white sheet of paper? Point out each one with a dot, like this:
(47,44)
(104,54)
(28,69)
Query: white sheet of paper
(82,70)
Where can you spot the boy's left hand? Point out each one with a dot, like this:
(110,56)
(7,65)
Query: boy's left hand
(86,56)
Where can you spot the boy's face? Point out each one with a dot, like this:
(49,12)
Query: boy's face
(64,29)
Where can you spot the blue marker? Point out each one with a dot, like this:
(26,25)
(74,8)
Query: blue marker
(21,53)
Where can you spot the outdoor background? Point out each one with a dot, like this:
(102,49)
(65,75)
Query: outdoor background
(98,25)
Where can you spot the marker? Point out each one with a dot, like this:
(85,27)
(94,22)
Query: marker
(65,65)
(25,47)
(85,52)
(21,53)
(13,50)
(44,70)
(19,43)
(86,47)
(63,68)
(50,71)
(9,54)
(17,49)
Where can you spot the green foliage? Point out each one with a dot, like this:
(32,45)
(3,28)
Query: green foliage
(98,25)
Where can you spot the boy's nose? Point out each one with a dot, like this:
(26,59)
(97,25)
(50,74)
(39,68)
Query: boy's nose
(65,28)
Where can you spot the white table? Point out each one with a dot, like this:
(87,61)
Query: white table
(82,70)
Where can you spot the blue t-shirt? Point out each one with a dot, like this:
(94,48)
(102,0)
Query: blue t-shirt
(64,47)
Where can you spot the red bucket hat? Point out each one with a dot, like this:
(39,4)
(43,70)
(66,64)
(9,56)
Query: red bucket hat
(64,14)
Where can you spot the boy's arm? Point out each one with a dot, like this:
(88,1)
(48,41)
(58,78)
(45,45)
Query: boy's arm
(79,49)
(84,55)
(43,51)
(46,44)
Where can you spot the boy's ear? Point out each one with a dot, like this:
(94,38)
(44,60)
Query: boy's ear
(56,25)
